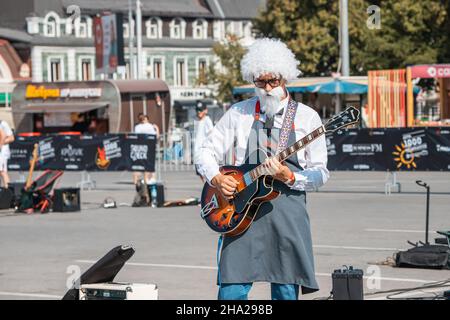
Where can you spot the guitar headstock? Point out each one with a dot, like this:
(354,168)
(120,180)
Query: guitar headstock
(345,118)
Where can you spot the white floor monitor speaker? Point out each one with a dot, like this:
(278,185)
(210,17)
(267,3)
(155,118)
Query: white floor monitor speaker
(118,291)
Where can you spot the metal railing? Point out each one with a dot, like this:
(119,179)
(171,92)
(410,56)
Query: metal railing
(174,152)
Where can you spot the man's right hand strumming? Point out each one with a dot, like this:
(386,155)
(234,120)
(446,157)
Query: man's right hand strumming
(226,184)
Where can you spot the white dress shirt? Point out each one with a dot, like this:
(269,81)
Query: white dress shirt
(232,131)
(145,128)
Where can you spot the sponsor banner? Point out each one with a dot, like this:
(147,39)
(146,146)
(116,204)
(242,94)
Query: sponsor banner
(389,149)
(108,43)
(111,152)
(431,71)
(353,149)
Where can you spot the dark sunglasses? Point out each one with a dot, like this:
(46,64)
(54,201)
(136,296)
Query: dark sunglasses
(274,82)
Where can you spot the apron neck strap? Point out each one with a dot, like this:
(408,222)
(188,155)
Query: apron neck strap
(257,110)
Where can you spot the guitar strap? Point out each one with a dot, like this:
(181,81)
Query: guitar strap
(288,123)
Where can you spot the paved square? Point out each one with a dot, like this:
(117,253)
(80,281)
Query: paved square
(353,223)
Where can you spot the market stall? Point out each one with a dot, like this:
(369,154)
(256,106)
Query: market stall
(106,106)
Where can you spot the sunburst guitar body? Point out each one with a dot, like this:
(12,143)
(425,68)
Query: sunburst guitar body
(233,217)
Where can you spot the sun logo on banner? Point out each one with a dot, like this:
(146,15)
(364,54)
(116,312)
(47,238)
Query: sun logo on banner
(404,157)
(100,158)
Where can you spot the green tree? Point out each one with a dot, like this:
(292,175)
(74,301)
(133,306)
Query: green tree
(411,32)
(226,72)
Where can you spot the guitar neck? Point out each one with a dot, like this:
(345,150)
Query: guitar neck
(30,176)
(29,181)
(289,151)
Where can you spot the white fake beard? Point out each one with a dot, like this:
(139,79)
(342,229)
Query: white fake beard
(270,101)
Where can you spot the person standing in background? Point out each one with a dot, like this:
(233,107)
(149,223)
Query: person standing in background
(5,139)
(145,127)
(202,127)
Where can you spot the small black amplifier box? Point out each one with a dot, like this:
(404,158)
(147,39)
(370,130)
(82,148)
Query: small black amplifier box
(348,284)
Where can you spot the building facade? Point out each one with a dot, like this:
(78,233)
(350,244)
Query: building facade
(177,38)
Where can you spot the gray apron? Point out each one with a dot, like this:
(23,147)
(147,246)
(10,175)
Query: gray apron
(277,247)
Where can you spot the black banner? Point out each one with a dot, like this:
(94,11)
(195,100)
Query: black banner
(111,152)
(389,149)
(353,149)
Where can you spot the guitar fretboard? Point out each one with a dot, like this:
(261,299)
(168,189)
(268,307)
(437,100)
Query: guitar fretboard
(289,151)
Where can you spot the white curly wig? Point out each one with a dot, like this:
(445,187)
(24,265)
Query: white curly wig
(269,56)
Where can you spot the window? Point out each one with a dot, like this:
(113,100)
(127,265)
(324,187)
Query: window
(153,26)
(234,27)
(202,69)
(180,72)
(51,25)
(177,28)
(238,28)
(127,69)
(248,30)
(218,30)
(229,27)
(55,70)
(157,69)
(126,29)
(83,27)
(200,29)
(86,69)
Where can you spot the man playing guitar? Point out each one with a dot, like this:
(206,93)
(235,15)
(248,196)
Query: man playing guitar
(277,247)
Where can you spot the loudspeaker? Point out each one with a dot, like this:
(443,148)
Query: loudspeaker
(348,284)
(6,198)
(66,200)
(156,191)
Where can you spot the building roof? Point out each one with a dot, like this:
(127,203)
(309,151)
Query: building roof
(215,8)
(15,35)
(132,86)
(187,8)
(237,9)
(222,9)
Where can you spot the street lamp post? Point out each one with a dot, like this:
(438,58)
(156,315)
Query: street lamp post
(139,39)
(130,39)
(345,51)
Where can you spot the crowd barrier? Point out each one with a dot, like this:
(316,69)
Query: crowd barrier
(390,149)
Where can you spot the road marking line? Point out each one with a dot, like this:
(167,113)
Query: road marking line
(407,294)
(383,278)
(31,295)
(182,266)
(397,230)
(355,248)
(158,265)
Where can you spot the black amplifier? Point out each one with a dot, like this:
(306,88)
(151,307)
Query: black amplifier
(16,188)
(348,284)
(6,198)
(66,200)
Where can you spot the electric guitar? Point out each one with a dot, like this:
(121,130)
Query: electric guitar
(233,217)
(26,196)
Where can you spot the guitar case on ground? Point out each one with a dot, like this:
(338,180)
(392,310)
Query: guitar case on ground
(427,256)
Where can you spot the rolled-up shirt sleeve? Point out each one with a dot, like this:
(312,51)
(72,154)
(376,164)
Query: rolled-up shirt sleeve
(213,150)
(315,174)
